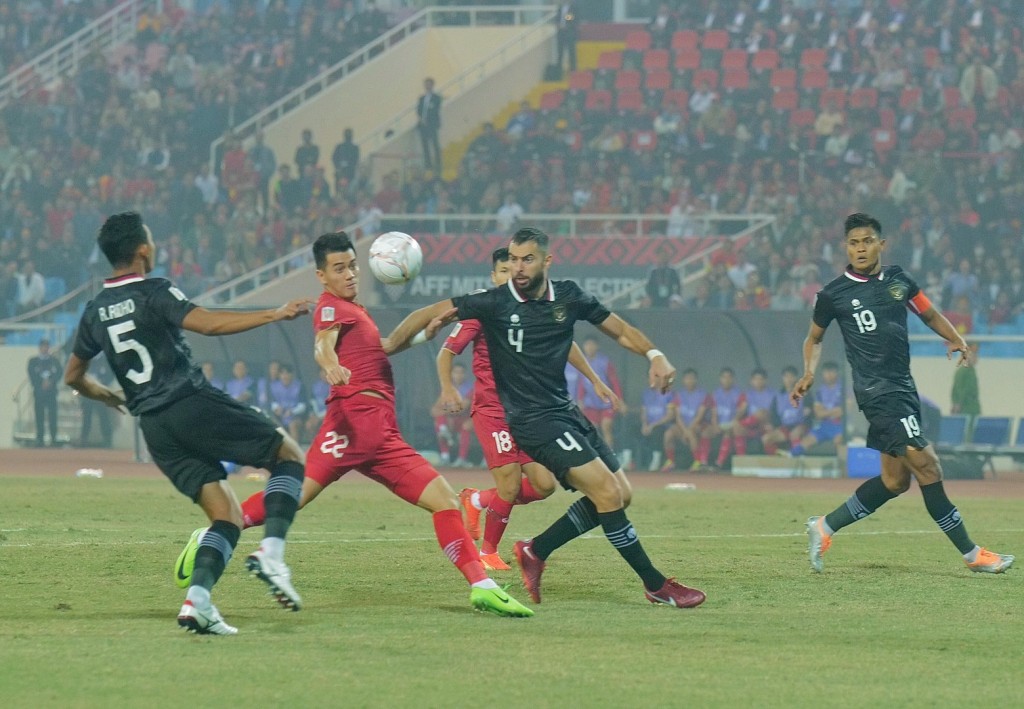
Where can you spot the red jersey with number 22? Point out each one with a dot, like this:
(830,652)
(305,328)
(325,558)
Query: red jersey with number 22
(485,394)
(358,348)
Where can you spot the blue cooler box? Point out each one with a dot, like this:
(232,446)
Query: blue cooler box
(863,462)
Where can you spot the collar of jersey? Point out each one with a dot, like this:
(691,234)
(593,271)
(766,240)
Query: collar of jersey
(122,280)
(859,278)
(549,295)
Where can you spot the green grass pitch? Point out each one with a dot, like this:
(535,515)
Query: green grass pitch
(88,614)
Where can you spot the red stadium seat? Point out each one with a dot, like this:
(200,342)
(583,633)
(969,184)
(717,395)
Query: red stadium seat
(627,80)
(802,118)
(644,141)
(684,39)
(552,100)
(709,76)
(734,59)
(785,100)
(964,115)
(883,141)
(630,100)
(687,60)
(715,39)
(736,80)
(679,98)
(813,58)
(837,95)
(581,81)
(951,97)
(783,79)
(658,80)
(656,59)
(610,60)
(931,57)
(765,59)
(887,119)
(638,40)
(864,98)
(814,79)
(910,98)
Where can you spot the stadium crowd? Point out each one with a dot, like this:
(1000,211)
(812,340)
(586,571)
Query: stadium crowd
(911,109)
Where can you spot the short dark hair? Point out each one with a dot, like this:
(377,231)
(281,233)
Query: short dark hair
(759,370)
(726,369)
(789,369)
(499,256)
(860,219)
(830,367)
(689,370)
(330,244)
(529,233)
(120,236)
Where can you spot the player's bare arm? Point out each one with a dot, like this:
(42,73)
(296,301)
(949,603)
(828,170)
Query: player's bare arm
(812,355)
(229,322)
(954,340)
(579,360)
(450,401)
(326,357)
(76,376)
(661,373)
(400,338)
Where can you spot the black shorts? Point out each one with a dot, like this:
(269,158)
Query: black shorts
(189,439)
(561,440)
(894,422)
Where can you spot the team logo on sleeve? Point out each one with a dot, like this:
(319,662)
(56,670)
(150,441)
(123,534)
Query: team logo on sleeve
(327,313)
(559,312)
(898,291)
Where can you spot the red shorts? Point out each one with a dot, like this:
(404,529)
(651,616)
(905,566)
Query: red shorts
(596,416)
(500,449)
(361,433)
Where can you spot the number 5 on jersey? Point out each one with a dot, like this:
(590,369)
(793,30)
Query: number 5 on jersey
(128,344)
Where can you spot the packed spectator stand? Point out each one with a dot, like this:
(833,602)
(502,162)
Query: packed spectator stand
(908,109)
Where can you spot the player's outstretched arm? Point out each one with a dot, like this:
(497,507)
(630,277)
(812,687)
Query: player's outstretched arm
(579,360)
(229,322)
(326,355)
(661,373)
(76,376)
(401,337)
(954,340)
(812,355)
(450,401)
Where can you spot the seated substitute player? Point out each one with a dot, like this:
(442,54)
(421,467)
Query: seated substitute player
(757,420)
(727,406)
(529,328)
(790,421)
(360,430)
(507,463)
(449,421)
(870,302)
(694,404)
(827,412)
(187,423)
(659,412)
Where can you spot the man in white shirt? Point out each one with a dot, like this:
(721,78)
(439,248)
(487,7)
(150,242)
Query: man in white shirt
(31,287)
(509,213)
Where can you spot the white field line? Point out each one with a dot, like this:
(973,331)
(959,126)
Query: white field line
(399,540)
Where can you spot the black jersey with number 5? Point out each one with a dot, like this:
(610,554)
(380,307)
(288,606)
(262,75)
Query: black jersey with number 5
(136,322)
(529,342)
(872,315)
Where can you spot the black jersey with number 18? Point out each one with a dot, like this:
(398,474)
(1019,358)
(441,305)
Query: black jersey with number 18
(529,342)
(872,316)
(136,322)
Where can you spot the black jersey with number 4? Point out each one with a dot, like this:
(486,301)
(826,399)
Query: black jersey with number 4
(136,322)
(529,342)
(872,315)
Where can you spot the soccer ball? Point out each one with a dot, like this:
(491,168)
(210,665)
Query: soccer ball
(395,258)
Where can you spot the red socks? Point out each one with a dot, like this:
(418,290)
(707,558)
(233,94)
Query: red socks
(253,512)
(704,450)
(457,545)
(497,520)
(527,493)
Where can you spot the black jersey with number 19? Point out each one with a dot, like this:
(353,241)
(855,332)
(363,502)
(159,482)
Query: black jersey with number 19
(872,315)
(136,323)
(529,342)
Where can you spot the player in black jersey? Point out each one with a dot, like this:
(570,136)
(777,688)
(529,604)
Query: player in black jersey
(189,426)
(870,302)
(528,324)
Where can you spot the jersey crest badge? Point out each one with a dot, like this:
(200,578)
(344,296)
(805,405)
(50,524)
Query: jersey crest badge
(327,313)
(898,291)
(559,312)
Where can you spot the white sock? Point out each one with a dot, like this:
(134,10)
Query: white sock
(486,583)
(274,546)
(972,556)
(199,596)
(474,500)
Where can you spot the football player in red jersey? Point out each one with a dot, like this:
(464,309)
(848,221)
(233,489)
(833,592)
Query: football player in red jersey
(360,430)
(518,478)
